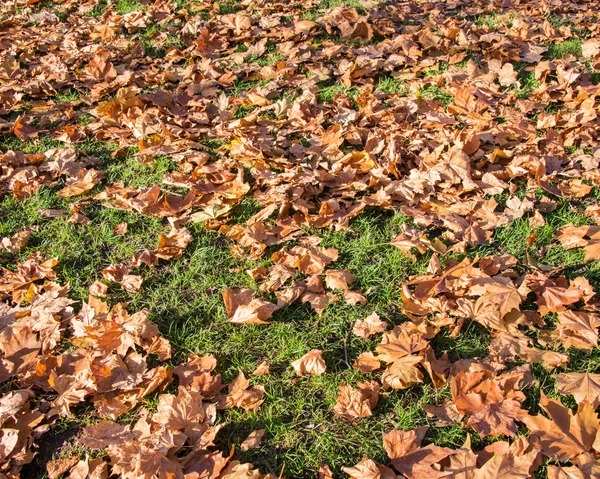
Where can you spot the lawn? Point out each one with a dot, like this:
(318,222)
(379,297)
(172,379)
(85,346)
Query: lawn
(234,185)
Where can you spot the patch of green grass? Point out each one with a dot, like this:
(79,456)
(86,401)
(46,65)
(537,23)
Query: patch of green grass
(391,85)
(37,145)
(266,61)
(67,97)
(310,15)
(98,10)
(174,41)
(570,47)
(127,6)
(528,84)
(443,66)
(82,250)
(239,86)
(243,111)
(436,93)
(329,4)
(132,172)
(490,20)
(328,93)
(151,49)
(230,6)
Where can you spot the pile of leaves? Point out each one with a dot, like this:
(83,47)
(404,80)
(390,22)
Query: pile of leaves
(462,117)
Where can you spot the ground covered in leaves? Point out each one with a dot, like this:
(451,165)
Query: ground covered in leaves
(298,239)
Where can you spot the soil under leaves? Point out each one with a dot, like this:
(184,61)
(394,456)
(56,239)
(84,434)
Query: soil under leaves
(300,239)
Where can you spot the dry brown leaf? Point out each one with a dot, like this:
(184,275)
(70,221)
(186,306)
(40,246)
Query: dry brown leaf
(311,363)
(253,440)
(369,326)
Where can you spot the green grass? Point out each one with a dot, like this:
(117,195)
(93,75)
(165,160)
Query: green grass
(128,6)
(327,4)
(328,93)
(569,47)
(391,85)
(528,84)
(98,9)
(436,93)
(68,96)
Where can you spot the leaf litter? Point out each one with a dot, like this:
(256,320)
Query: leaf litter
(462,116)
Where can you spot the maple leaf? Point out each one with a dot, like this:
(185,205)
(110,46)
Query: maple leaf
(402,373)
(578,329)
(311,363)
(211,212)
(253,440)
(369,326)
(338,279)
(495,297)
(240,394)
(243,309)
(398,343)
(261,369)
(172,245)
(58,467)
(184,412)
(560,472)
(354,403)
(509,346)
(507,466)
(409,458)
(582,386)
(15,243)
(552,297)
(369,469)
(563,435)
(366,363)
(70,389)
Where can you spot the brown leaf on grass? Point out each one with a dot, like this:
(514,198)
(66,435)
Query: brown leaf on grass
(508,466)
(369,326)
(98,289)
(120,274)
(409,458)
(121,229)
(243,309)
(240,394)
(366,363)
(253,440)
(325,472)
(563,435)
(196,374)
(311,363)
(22,130)
(492,401)
(552,297)
(16,243)
(172,245)
(261,369)
(584,387)
(58,467)
(590,48)
(447,414)
(577,329)
(338,279)
(561,472)
(369,469)
(517,345)
(354,403)
(402,373)
(84,181)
